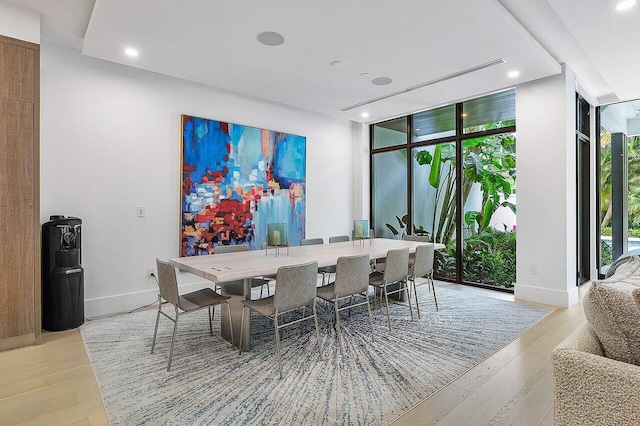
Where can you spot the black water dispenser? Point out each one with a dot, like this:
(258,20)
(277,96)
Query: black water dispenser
(62,274)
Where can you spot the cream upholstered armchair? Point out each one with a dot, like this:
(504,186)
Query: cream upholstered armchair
(597,368)
(591,389)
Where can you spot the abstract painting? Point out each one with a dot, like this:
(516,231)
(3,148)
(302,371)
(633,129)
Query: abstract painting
(235,180)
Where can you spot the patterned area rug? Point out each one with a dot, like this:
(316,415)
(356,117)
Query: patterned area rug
(372,383)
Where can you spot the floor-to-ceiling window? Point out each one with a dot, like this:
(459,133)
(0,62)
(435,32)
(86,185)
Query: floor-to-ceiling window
(433,183)
(457,187)
(389,177)
(619,180)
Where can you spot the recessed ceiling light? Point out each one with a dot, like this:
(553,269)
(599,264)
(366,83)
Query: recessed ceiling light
(338,64)
(381,81)
(625,5)
(364,114)
(513,74)
(364,74)
(270,38)
(130,51)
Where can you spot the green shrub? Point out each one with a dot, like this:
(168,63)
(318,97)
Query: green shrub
(489,258)
(631,232)
(606,253)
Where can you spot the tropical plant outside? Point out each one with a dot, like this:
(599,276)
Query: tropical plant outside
(633,189)
(489,163)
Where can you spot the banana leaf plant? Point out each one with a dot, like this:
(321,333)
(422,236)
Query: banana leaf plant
(488,161)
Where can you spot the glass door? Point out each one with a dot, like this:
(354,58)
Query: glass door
(619,181)
(583,152)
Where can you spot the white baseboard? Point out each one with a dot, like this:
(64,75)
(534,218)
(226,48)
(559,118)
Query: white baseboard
(547,296)
(102,306)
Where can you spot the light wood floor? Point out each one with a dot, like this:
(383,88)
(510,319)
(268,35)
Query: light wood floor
(53,383)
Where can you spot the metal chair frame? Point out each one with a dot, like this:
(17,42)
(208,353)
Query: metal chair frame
(387,281)
(210,309)
(336,305)
(278,326)
(425,271)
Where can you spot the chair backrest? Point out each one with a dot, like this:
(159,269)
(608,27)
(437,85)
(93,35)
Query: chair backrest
(338,238)
(311,241)
(167,281)
(230,249)
(352,275)
(418,238)
(296,286)
(396,265)
(277,234)
(423,263)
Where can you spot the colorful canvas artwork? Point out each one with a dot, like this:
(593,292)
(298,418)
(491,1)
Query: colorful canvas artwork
(235,180)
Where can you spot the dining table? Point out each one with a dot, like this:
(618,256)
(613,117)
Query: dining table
(234,272)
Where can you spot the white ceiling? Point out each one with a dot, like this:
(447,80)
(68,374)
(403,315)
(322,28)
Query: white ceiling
(413,42)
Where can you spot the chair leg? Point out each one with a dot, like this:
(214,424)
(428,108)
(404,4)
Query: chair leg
(415,292)
(261,288)
(275,322)
(335,305)
(370,320)
(315,319)
(230,323)
(210,310)
(386,299)
(241,330)
(433,287)
(173,339)
(155,332)
(351,302)
(406,291)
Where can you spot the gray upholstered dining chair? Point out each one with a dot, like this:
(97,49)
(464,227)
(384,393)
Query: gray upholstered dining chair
(415,238)
(338,239)
(331,269)
(261,282)
(295,289)
(423,268)
(352,274)
(185,304)
(396,271)
(311,241)
(324,270)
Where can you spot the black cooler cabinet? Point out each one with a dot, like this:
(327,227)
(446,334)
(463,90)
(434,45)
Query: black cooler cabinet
(62,274)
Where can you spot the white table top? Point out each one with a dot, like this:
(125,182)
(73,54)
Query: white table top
(226,267)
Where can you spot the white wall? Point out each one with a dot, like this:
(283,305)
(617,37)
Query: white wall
(110,141)
(20,23)
(545,113)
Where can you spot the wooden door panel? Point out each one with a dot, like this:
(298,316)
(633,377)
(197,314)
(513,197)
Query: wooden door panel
(17,73)
(17,233)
